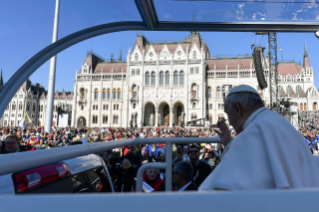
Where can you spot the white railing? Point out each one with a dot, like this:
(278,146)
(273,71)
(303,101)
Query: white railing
(28,160)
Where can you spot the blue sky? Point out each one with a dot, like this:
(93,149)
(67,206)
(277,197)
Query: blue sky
(26,27)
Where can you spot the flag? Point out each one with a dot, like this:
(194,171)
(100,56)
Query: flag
(22,124)
(280,48)
(27,119)
(112,55)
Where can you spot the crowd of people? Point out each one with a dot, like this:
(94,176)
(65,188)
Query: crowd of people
(123,163)
(258,134)
(309,129)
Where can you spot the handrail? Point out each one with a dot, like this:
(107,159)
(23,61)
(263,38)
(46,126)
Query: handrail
(28,160)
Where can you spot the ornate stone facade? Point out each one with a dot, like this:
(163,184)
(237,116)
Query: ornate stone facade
(172,83)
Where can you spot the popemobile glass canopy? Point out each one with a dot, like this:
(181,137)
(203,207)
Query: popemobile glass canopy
(30,27)
(258,11)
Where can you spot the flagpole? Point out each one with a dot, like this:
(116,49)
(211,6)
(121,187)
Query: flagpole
(51,86)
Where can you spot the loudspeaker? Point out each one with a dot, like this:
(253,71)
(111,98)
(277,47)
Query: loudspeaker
(258,68)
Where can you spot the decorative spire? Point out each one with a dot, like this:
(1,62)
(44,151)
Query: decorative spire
(306,52)
(1,79)
(294,58)
(194,15)
(267,51)
(120,57)
(62,89)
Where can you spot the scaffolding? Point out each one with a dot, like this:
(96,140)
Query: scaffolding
(273,72)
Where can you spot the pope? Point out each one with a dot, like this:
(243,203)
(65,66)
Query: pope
(267,153)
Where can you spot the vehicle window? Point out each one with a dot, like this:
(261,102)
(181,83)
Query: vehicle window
(94,180)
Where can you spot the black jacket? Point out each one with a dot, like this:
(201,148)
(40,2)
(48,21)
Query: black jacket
(200,172)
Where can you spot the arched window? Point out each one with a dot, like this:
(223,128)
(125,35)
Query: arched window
(28,106)
(134,91)
(96,94)
(138,72)
(314,107)
(167,78)
(41,108)
(192,71)
(209,92)
(288,89)
(304,106)
(181,77)
(82,107)
(119,93)
(133,72)
(13,106)
(161,78)
(218,92)
(210,118)
(194,91)
(175,77)
(82,93)
(298,88)
(33,107)
(194,55)
(20,106)
(147,79)
(136,57)
(153,79)
(108,93)
(134,105)
(105,119)
(104,93)
(114,93)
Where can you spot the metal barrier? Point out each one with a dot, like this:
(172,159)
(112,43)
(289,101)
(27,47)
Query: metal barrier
(28,160)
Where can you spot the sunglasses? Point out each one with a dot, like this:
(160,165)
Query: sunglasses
(194,151)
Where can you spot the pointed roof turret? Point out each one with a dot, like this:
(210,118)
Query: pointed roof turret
(1,79)
(306,63)
(120,57)
(306,52)
(294,58)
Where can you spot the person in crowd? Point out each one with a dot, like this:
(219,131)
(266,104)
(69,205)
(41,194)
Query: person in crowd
(183,177)
(125,177)
(284,161)
(12,145)
(200,169)
(152,178)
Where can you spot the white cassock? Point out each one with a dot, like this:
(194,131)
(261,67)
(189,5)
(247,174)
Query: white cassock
(269,153)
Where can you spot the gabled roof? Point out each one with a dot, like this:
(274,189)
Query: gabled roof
(232,63)
(107,67)
(288,68)
(92,60)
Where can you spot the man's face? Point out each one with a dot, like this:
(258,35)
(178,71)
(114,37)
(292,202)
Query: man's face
(12,145)
(194,153)
(234,117)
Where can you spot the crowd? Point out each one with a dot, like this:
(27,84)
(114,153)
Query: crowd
(123,163)
(258,134)
(309,129)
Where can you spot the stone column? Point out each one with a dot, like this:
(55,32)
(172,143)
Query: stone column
(171,115)
(156,117)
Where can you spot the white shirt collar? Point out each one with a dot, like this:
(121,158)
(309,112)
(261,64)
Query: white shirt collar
(253,116)
(184,187)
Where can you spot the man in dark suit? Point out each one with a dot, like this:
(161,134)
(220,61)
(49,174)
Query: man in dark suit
(182,177)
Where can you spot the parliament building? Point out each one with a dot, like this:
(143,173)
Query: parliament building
(169,84)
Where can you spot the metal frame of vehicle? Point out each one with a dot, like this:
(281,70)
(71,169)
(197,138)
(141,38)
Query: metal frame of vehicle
(43,157)
(150,23)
